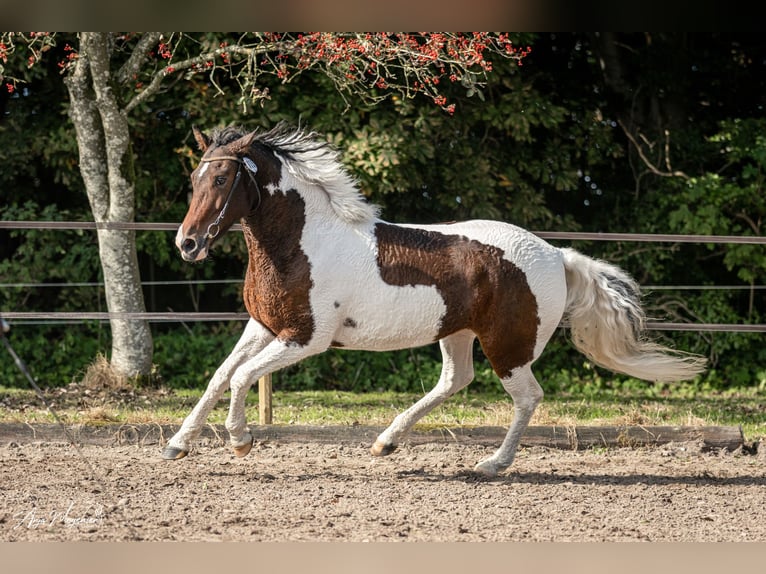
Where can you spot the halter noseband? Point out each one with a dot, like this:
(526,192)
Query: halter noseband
(214,228)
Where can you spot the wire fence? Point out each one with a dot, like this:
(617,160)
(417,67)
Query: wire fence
(568,235)
(33,317)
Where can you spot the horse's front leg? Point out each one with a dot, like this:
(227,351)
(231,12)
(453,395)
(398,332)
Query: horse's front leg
(253,340)
(276,355)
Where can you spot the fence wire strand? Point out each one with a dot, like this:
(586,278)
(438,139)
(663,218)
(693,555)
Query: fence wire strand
(33,317)
(568,235)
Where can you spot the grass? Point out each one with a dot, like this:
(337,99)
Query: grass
(678,405)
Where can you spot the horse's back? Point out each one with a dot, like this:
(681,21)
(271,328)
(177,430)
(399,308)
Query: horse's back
(518,244)
(527,264)
(541,262)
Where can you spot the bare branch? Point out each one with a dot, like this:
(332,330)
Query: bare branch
(649,165)
(747,219)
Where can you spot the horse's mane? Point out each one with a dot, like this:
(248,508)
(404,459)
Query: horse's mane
(311,159)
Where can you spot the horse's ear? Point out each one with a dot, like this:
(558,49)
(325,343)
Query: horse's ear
(202,140)
(243,143)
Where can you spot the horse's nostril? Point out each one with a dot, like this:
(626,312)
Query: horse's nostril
(188,245)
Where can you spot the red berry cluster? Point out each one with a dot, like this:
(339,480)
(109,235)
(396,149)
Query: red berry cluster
(381,59)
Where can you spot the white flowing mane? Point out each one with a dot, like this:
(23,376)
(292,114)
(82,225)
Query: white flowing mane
(311,159)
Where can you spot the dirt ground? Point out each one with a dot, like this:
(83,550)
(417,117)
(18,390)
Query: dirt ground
(304,491)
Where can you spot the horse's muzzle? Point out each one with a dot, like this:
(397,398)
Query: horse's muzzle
(192,247)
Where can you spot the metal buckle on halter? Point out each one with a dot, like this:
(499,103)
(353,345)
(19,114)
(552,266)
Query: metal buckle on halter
(249,165)
(209,233)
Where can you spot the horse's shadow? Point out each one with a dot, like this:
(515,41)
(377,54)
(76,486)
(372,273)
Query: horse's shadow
(585,479)
(537,478)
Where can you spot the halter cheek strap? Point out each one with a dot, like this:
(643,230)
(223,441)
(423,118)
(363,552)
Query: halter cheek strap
(214,228)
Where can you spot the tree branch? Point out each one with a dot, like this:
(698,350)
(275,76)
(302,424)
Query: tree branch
(747,219)
(90,143)
(649,165)
(137,58)
(156,83)
(370,66)
(115,127)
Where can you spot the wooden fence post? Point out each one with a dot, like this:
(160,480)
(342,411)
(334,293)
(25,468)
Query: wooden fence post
(264,399)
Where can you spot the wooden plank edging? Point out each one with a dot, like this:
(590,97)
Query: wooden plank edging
(561,437)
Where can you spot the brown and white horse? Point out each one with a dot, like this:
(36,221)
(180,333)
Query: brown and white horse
(324,271)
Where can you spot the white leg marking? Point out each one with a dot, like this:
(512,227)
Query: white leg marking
(276,355)
(254,338)
(526,394)
(457,372)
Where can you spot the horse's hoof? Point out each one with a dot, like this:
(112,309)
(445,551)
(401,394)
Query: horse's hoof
(486,468)
(382,449)
(173,453)
(243,449)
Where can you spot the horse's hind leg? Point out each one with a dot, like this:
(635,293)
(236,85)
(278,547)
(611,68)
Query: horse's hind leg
(457,372)
(526,394)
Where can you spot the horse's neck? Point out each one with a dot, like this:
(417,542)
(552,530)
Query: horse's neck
(274,230)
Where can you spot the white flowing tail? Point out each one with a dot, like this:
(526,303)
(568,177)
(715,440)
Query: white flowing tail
(607,323)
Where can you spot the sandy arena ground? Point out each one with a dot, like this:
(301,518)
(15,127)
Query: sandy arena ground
(304,491)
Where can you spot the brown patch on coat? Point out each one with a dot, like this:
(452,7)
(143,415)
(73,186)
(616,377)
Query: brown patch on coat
(483,291)
(278,277)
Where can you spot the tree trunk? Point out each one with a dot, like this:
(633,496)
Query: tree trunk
(105,164)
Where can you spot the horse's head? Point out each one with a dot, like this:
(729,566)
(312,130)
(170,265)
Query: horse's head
(224,190)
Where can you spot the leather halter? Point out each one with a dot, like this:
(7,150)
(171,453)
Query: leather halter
(214,228)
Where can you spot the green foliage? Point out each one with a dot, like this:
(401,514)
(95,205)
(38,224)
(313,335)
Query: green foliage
(727,201)
(54,354)
(731,201)
(186,358)
(352,370)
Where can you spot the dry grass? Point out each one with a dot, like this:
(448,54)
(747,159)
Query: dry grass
(97,415)
(100,376)
(101,397)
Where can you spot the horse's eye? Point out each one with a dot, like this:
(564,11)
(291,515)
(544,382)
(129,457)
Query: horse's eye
(220,180)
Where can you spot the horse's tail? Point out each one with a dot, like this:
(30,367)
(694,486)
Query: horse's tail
(608,324)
